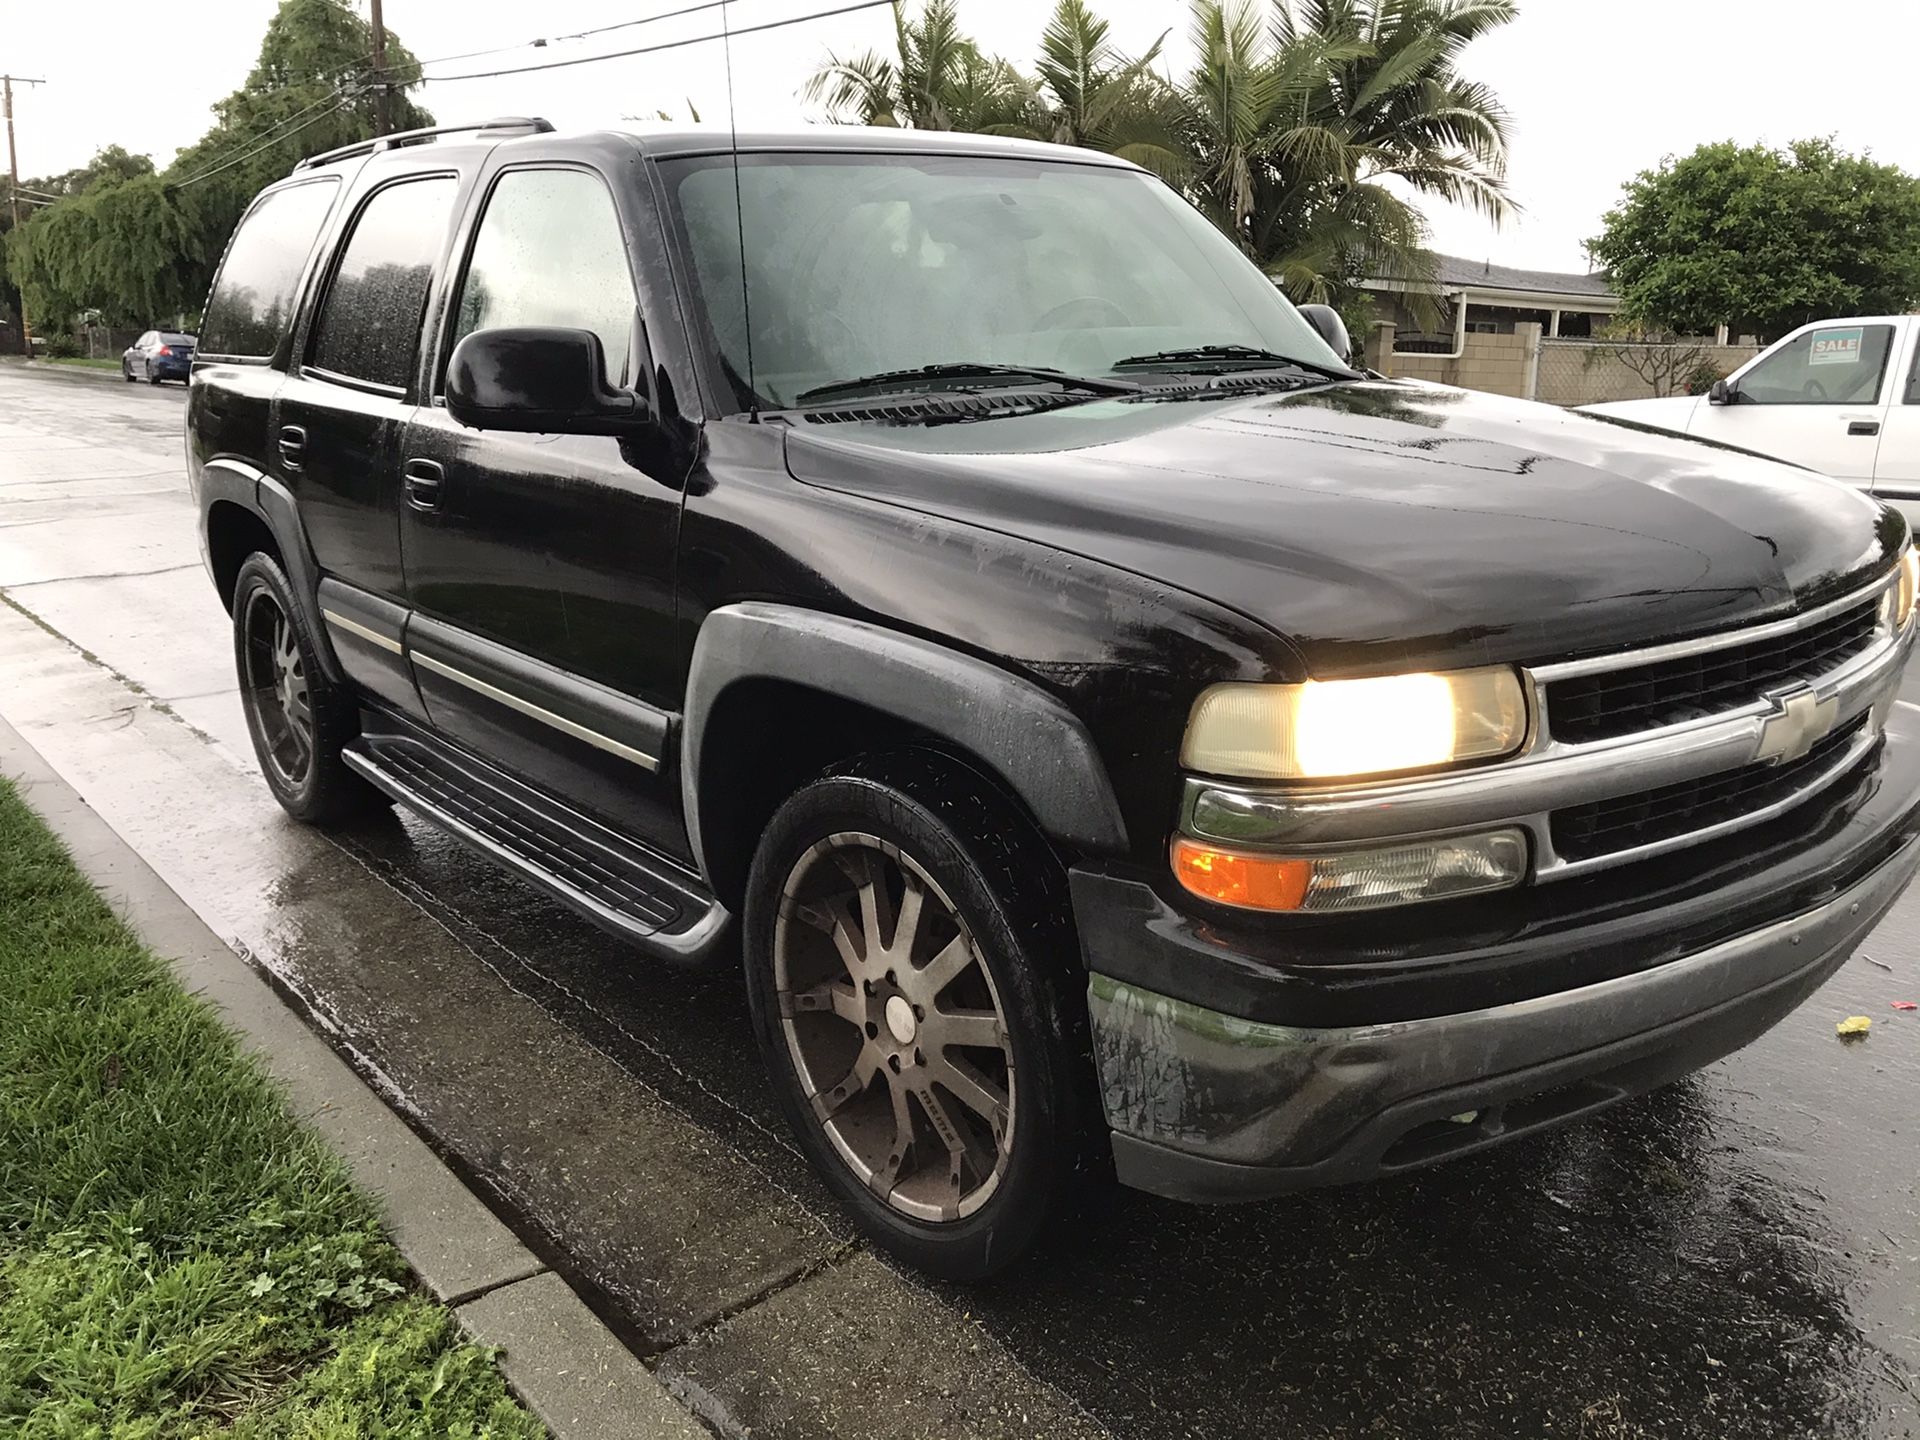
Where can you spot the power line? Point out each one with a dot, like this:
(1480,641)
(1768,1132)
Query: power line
(278,131)
(340,96)
(543,41)
(666,45)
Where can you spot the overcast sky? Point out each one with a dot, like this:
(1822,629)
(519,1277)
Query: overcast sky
(1598,89)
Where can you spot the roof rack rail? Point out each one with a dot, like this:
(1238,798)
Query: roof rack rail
(500,125)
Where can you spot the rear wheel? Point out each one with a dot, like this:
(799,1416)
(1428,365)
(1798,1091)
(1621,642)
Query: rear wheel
(298,719)
(915,985)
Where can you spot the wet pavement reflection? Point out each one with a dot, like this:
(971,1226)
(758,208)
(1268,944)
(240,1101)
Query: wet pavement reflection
(1726,1257)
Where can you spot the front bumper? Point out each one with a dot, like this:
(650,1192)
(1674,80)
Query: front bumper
(1214,1106)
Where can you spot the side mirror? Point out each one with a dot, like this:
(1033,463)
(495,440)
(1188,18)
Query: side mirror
(1721,393)
(541,379)
(1331,328)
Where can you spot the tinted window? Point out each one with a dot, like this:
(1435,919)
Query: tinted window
(253,299)
(370,325)
(550,252)
(1913,378)
(1833,365)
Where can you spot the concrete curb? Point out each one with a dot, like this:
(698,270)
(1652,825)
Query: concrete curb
(85,372)
(567,1367)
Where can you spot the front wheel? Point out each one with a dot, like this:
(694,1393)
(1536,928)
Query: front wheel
(917,993)
(298,719)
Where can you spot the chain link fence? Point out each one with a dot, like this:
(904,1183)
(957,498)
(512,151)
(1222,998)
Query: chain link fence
(1587,372)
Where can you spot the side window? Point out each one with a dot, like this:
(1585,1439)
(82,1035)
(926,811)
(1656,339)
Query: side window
(1831,365)
(1913,375)
(369,327)
(252,301)
(550,252)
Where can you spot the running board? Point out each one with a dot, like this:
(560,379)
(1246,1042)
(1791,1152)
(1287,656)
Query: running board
(615,883)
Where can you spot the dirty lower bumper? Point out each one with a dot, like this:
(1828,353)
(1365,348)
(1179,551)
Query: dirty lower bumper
(1210,1105)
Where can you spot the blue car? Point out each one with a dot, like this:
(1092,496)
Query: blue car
(158,355)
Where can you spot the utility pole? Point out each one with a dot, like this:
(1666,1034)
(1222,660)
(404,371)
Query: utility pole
(380,125)
(7,83)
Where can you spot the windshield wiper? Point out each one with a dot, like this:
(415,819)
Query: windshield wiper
(1218,359)
(924,377)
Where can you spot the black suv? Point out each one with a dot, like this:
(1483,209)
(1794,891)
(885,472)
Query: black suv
(1130,740)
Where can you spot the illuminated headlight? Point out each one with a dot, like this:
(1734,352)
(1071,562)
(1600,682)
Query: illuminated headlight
(1328,728)
(1900,595)
(1399,874)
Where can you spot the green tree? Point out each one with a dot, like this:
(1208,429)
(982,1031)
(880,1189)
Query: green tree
(108,166)
(936,79)
(135,247)
(1763,240)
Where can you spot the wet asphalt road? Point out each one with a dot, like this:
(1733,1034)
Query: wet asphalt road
(1736,1256)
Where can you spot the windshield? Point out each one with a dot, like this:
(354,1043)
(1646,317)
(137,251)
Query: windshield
(861,265)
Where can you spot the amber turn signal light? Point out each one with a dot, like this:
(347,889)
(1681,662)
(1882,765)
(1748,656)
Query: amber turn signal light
(1256,882)
(1365,879)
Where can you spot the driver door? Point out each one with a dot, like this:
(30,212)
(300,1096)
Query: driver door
(540,567)
(1818,398)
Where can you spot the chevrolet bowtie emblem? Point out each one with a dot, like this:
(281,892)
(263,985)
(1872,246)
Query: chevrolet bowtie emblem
(1798,724)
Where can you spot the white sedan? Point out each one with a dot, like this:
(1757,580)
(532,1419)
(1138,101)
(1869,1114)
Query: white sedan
(1838,396)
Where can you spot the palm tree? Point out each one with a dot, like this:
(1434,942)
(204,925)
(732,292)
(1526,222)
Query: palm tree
(1305,134)
(1088,93)
(937,79)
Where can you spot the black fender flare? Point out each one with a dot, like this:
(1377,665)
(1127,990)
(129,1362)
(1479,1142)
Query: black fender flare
(1036,745)
(270,502)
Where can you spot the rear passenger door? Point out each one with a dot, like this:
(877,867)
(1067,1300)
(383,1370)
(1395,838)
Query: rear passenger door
(540,568)
(339,417)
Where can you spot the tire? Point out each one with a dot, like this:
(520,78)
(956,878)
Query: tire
(298,720)
(152,379)
(126,372)
(1006,1140)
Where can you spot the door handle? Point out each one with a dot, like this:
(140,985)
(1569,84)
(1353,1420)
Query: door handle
(1863,427)
(293,446)
(423,480)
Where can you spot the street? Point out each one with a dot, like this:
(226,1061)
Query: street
(1738,1255)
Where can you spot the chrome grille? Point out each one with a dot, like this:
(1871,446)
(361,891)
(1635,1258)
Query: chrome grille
(1611,703)
(1649,817)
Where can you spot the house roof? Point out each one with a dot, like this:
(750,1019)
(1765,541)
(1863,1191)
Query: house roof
(1484,275)
(1456,272)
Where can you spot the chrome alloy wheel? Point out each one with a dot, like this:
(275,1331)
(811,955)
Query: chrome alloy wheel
(894,1027)
(276,689)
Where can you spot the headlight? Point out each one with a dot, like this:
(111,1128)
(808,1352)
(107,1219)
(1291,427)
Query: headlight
(1906,587)
(1327,728)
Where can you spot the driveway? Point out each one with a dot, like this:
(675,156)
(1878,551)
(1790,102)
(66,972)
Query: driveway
(1738,1255)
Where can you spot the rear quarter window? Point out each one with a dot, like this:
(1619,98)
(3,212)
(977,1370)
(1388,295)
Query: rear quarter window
(253,298)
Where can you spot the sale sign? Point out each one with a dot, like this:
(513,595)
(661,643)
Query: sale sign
(1836,347)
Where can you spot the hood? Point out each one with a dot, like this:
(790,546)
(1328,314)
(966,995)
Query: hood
(1388,525)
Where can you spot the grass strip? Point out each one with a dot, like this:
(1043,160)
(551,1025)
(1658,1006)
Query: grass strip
(178,1255)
